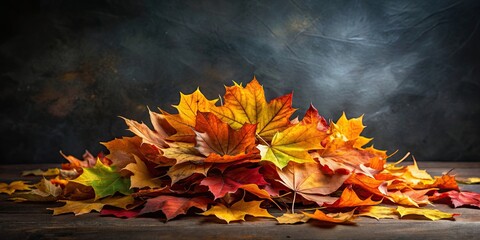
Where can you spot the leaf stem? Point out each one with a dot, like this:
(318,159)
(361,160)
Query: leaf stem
(293,202)
(263,140)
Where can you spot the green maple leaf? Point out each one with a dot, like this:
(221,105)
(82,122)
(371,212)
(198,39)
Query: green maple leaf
(104,180)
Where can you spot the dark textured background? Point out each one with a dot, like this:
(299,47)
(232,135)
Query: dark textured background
(69,68)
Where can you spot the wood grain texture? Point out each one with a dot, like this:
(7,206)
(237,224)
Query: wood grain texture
(34,221)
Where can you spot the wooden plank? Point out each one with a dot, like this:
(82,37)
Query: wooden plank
(34,221)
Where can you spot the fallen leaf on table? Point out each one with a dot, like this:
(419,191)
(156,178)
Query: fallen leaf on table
(44,191)
(470,180)
(40,172)
(292,218)
(119,213)
(238,211)
(378,212)
(432,214)
(14,186)
(341,217)
(86,206)
(459,199)
(173,206)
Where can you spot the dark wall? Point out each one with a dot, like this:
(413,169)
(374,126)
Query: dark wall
(69,68)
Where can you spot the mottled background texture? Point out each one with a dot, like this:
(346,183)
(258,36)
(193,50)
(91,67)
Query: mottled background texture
(70,68)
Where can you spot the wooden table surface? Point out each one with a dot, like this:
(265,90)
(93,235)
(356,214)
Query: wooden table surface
(34,221)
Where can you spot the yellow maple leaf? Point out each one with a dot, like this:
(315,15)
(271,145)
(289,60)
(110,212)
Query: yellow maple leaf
(184,121)
(378,212)
(410,197)
(237,211)
(469,180)
(347,131)
(141,175)
(340,217)
(86,206)
(343,147)
(248,105)
(292,144)
(432,214)
(292,218)
(14,186)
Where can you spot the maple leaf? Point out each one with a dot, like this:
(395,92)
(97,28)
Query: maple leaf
(410,197)
(445,182)
(372,185)
(238,211)
(141,175)
(104,180)
(122,150)
(187,169)
(14,186)
(173,206)
(39,172)
(347,131)
(184,121)
(292,144)
(154,137)
(292,218)
(44,191)
(313,117)
(343,148)
(310,182)
(183,152)
(255,190)
(378,212)
(350,199)
(458,198)
(331,217)
(88,160)
(231,180)
(248,105)
(432,214)
(86,206)
(215,136)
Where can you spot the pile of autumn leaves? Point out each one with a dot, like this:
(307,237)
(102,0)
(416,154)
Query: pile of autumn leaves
(240,158)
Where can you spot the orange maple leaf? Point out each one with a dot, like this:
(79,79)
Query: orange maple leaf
(350,199)
(216,137)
